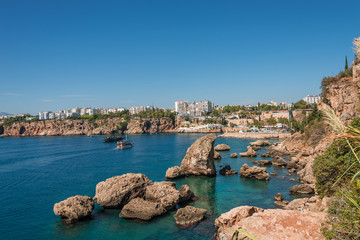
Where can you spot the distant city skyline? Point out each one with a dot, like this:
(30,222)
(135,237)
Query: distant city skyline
(62,54)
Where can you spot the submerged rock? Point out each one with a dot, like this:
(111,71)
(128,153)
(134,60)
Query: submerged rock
(74,208)
(174,172)
(249,153)
(254,172)
(117,191)
(139,208)
(233,155)
(227,171)
(302,189)
(164,193)
(265,155)
(222,147)
(199,158)
(263,162)
(189,215)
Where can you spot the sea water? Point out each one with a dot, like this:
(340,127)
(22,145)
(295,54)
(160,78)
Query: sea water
(37,172)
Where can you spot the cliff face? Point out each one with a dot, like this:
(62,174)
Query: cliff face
(343,95)
(81,127)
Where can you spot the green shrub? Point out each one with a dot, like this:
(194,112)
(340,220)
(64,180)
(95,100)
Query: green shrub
(330,166)
(344,215)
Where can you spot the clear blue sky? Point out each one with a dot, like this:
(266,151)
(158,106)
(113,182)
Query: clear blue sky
(60,54)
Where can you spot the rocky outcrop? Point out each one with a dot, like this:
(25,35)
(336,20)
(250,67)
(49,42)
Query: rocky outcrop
(302,189)
(254,172)
(270,224)
(185,194)
(117,191)
(279,161)
(189,215)
(279,201)
(222,147)
(163,192)
(263,162)
(233,155)
(139,208)
(199,158)
(265,155)
(249,153)
(227,171)
(174,172)
(313,204)
(260,143)
(74,208)
(217,156)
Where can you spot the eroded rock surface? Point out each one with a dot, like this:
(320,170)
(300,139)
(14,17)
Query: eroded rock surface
(174,172)
(74,208)
(249,153)
(139,208)
(260,143)
(189,215)
(258,173)
(302,189)
(222,147)
(163,192)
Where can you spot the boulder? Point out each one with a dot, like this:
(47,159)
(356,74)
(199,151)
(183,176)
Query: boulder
(117,191)
(292,170)
(164,193)
(256,148)
(233,155)
(249,153)
(139,208)
(263,162)
(313,204)
(222,147)
(199,158)
(254,172)
(74,208)
(217,155)
(185,193)
(292,165)
(281,204)
(279,197)
(265,155)
(227,171)
(189,215)
(270,224)
(260,143)
(174,172)
(279,161)
(302,189)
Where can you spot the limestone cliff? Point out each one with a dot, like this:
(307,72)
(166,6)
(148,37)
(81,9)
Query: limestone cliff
(82,127)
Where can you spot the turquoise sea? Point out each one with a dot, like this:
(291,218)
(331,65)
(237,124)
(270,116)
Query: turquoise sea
(37,172)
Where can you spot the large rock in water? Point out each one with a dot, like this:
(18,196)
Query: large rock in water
(199,158)
(164,193)
(139,208)
(302,189)
(227,171)
(279,161)
(217,155)
(249,153)
(270,224)
(185,193)
(117,191)
(222,147)
(258,173)
(260,143)
(74,208)
(189,215)
(174,172)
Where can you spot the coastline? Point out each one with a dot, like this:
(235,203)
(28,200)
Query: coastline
(247,135)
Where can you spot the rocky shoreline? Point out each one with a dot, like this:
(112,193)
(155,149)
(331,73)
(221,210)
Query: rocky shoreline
(249,135)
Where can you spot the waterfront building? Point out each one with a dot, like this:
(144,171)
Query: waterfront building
(310,99)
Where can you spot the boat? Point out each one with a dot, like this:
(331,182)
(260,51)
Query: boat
(124,144)
(113,138)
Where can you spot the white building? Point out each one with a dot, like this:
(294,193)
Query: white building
(312,99)
(44,115)
(193,109)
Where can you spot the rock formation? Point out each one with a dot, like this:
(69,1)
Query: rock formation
(249,153)
(227,171)
(74,208)
(139,208)
(270,223)
(263,162)
(254,172)
(279,161)
(185,193)
(199,158)
(174,172)
(279,201)
(233,155)
(115,192)
(302,189)
(217,156)
(222,147)
(163,192)
(260,143)
(189,215)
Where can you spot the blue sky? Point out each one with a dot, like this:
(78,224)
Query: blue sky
(61,54)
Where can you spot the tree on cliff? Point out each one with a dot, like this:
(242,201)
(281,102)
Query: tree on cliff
(346,64)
